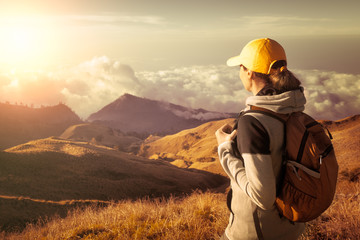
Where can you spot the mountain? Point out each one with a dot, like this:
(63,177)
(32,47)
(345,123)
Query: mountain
(197,147)
(102,135)
(134,114)
(41,175)
(19,124)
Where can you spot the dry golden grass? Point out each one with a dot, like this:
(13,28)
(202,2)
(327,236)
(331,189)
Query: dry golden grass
(341,220)
(35,178)
(191,148)
(198,216)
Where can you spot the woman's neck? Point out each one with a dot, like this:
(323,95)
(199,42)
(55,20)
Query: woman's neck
(257,85)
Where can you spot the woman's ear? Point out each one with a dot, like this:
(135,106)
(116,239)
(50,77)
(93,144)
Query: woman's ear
(250,74)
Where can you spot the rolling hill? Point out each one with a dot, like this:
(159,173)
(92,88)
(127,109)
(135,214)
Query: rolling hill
(102,135)
(191,148)
(36,177)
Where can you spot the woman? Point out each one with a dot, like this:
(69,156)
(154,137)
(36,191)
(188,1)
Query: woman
(255,173)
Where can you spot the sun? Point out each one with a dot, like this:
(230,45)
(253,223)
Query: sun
(20,40)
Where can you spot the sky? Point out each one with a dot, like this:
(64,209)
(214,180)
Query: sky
(88,53)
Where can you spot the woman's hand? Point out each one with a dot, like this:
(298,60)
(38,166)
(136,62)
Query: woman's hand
(224,134)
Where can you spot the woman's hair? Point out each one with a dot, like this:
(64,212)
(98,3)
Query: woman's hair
(280,77)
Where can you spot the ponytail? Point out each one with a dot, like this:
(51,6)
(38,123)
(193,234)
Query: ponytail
(281,78)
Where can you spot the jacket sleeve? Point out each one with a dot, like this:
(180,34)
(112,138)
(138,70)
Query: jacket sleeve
(254,172)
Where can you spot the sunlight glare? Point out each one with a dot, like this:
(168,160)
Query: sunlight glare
(23,39)
(14,83)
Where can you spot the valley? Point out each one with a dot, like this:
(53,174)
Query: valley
(89,164)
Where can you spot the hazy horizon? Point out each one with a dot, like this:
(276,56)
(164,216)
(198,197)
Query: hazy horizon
(88,54)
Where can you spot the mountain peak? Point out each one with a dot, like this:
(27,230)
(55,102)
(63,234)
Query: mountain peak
(127,96)
(132,113)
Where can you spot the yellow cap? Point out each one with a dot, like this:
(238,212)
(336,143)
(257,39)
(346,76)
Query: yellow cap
(259,55)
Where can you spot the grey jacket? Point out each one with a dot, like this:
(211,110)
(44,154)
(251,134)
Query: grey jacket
(254,176)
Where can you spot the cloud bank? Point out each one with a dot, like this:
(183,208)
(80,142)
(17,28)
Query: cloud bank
(91,85)
(330,95)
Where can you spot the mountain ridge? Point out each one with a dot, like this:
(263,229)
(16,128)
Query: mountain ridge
(132,113)
(19,124)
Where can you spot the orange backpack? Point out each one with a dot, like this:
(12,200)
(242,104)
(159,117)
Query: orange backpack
(310,167)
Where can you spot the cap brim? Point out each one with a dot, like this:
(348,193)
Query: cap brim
(234,61)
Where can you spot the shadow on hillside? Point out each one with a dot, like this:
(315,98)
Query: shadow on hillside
(17,213)
(35,185)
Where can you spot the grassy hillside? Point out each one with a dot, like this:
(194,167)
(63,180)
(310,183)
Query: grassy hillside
(56,170)
(346,134)
(198,216)
(17,212)
(102,135)
(192,148)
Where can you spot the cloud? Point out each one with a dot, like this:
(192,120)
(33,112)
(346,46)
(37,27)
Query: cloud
(30,88)
(86,88)
(331,95)
(94,84)
(294,25)
(190,113)
(283,19)
(215,88)
(112,19)
(91,85)
(108,19)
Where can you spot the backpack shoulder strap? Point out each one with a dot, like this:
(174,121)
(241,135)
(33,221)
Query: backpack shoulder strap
(234,142)
(283,119)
